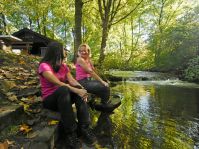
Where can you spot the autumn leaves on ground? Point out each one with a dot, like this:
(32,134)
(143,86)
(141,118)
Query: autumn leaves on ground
(18,74)
(19,87)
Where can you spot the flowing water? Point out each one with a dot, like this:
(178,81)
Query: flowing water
(154,115)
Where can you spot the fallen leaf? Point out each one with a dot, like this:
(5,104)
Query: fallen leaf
(10,142)
(12,98)
(53,122)
(32,135)
(4,145)
(7,85)
(25,99)
(22,86)
(25,128)
(21,62)
(8,75)
(26,107)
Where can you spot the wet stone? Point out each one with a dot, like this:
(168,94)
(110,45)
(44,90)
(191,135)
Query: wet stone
(9,114)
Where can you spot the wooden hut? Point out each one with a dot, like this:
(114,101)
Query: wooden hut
(6,42)
(33,42)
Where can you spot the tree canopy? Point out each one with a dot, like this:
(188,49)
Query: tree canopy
(123,34)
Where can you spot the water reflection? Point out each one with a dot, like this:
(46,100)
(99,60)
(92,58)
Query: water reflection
(154,116)
(103,130)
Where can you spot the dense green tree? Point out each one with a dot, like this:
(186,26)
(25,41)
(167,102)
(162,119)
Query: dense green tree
(136,34)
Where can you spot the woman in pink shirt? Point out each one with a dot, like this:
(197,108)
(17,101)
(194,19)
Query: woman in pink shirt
(85,71)
(59,91)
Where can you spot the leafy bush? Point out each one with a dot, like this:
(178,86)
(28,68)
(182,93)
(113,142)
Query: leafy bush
(191,73)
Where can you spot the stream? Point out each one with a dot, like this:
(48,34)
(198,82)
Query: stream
(154,114)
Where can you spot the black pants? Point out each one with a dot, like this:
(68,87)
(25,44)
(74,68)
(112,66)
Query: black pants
(97,88)
(61,100)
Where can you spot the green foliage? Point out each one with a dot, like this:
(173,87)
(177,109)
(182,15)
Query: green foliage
(178,44)
(144,39)
(191,73)
(114,60)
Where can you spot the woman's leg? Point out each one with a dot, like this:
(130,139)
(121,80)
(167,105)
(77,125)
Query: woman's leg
(83,119)
(60,101)
(97,88)
(82,109)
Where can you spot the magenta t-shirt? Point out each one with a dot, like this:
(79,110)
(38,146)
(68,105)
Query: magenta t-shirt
(81,73)
(47,88)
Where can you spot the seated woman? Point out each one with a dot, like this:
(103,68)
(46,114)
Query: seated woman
(85,71)
(59,96)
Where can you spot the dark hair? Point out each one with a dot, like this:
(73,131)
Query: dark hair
(54,55)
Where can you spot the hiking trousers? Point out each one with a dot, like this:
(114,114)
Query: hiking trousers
(61,101)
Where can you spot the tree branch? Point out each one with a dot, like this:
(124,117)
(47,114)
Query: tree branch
(114,12)
(100,9)
(128,13)
(87,1)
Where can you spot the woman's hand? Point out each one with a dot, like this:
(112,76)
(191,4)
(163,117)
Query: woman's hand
(105,83)
(83,93)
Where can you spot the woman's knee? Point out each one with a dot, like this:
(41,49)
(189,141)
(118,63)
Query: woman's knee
(104,88)
(63,90)
(64,94)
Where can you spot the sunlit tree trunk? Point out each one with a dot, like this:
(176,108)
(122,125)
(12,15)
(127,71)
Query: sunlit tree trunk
(134,42)
(108,9)
(65,31)
(30,23)
(3,24)
(104,9)
(160,30)
(38,26)
(44,24)
(105,31)
(78,24)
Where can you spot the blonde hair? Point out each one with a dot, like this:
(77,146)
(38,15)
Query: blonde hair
(87,47)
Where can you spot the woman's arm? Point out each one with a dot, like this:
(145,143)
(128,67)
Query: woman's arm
(53,79)
(72,81)
(89,70)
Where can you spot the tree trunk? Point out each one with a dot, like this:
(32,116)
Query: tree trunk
(30,23)
(38,26)
(83,31)
(105,15)
(44,24)
(78,23)
(1,26)
(65,31)
(105,31)
(4,26)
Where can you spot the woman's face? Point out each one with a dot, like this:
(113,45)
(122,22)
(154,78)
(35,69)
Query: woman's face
(84,52)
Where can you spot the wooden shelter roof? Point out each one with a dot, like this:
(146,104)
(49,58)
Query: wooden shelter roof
(10,38)
(31,36)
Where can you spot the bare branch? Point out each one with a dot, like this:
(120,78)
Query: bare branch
(87,1)
(170,16)
(128,13)
(114,12)
(100,9)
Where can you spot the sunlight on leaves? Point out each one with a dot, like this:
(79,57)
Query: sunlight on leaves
(4,145)
(32,135)
(53,122)
(25,128)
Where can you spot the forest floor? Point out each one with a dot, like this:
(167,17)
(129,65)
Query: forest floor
(23,121)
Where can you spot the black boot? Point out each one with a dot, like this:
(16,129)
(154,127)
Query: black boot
(72,142)
(87,135)
(108,106)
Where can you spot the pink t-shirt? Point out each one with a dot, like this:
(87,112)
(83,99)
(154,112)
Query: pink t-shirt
(81,73)
(47,88)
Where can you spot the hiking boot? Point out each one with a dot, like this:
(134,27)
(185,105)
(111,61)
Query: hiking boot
(72,141)
(109,106)
(88,136)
